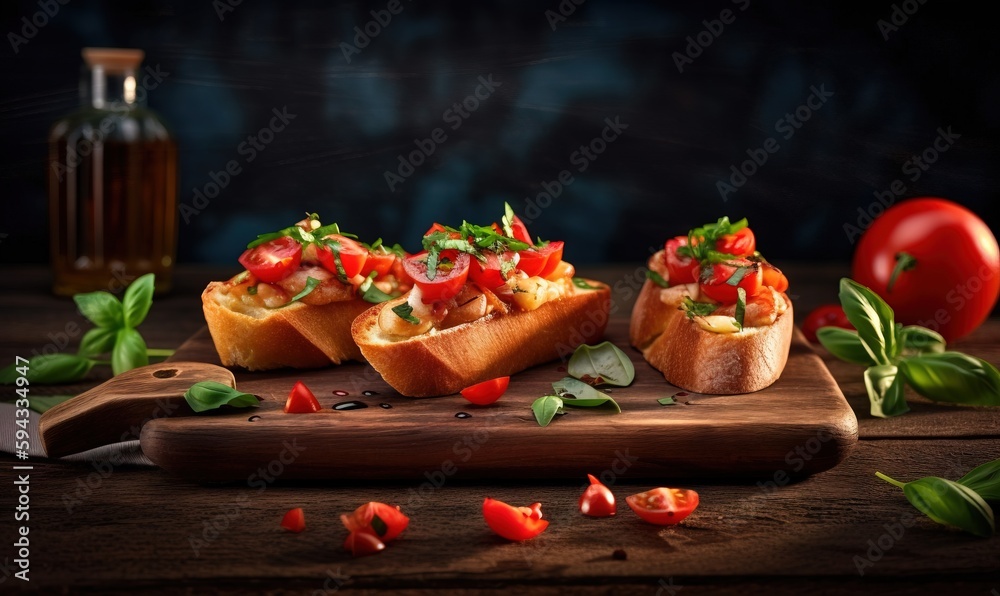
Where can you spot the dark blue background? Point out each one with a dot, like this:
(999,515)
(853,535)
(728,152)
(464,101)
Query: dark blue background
(607,59)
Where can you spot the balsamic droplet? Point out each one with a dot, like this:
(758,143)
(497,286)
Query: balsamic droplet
(369,392)
(619,554)
(350,405)
(385,406)
(340,392)
(463,415)
(253,418)
(681,394)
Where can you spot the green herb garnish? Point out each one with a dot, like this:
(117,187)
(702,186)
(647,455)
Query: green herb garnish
(405,311)
(210,395)
(656,278)
(898,355)
(584,284)
(741,306)
(603,364)
(370,292)
(697,309)
(311,283)
(957,504)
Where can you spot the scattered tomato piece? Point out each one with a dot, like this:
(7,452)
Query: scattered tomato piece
(514,523)
(362,543)
(663,506)
(294,520)
(487,392)
(372,525)
(301,400)
(597,500)
(828,315)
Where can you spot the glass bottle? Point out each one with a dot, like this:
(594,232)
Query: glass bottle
(112,181)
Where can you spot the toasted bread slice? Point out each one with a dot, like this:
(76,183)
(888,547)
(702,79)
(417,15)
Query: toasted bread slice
(446,361)
(702,361)
(297,336)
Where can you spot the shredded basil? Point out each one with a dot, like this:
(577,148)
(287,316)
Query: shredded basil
(370,292)
(737,276)
(405,312)
(741,306)
(697,309)
(657,279)
(311,283)
(583,284)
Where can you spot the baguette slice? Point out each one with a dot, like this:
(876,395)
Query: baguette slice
(297,336)
(499,344)
(701,361)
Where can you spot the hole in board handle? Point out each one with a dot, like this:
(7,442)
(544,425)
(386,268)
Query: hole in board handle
(165,373)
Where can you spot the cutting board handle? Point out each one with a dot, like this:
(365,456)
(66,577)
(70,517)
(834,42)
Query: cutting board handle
(116,410)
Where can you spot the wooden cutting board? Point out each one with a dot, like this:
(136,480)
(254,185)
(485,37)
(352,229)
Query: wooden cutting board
(798,426)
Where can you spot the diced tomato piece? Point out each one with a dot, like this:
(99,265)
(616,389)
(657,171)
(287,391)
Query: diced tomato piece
(489,274)
(379,262)
(294,520)
(541,261)
(680,270)
(741,243)
(663,506)
(514,523)
(351,254)
(520,231)
(452,272)
(718,281)
(487,392)
(301,400)
(774,278)
(362,543)
(274,260)
(384,521)
(597,500)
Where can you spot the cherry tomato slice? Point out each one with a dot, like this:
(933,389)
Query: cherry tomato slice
(274,260)
(383,521)
(663,506)
(541,261)
(514,523)
(352,256)
(378,261)
(774,278)
(741,243)
(487,392)
(294,520)
(520,231)
(448,280)
(488,274)
(362,543)
(435,227)
(828,315)
(597,500)
(715,284)
(554,253)
(681,270)
(301,400)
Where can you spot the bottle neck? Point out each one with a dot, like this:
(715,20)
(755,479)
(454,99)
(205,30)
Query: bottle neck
(114,91)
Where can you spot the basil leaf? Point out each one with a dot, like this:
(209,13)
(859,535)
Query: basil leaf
(873,319)
(137,300)
(656,278)
(545,408)
(603,364)
(584,284)
(101,308)
(129,351)
(508,222)
(405,311)
(985,480)
(432,262)
(370,292)
(920,340)
(311,283)
(885,391)
(697,309)
(49,368)
(953,377)
(741,306)
(844,344)
(210,395)
(575,388)
(594,402)
(97,341)
(951,504)
(667,401)
(737,276)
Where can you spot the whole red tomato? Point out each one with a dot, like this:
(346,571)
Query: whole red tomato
(936,264)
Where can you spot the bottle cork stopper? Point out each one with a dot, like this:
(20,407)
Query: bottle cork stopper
(113,60)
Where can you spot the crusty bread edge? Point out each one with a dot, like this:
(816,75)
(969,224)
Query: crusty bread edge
(296,336)
(445,362)
(705,362)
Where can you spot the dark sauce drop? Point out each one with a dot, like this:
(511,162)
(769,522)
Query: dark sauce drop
(681,394)
(561,369)
(463,415)
(340,393)
(253,418)
(350,405)
(385,406)
(369,392)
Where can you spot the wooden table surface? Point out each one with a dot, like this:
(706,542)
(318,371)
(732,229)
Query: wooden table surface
(119,529)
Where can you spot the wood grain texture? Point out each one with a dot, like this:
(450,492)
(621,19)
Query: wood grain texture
(703,436)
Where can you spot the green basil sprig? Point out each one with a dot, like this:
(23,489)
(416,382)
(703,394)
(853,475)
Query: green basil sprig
(210,395)
(115,332)
(656,278)
(952,503)
(898,355)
